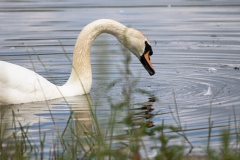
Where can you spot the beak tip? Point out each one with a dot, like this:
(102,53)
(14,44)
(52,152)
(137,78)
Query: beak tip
(152,73)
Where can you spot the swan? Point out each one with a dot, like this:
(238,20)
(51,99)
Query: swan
(20,85)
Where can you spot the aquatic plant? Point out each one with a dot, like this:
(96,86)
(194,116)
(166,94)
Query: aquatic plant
(81,140)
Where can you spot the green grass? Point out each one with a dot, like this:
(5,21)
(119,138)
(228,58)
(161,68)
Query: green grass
(84,142)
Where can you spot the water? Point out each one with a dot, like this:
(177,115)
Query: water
(196,45)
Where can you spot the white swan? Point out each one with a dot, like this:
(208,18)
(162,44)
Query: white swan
(20,85)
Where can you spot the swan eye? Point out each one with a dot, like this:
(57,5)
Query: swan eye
(148,48)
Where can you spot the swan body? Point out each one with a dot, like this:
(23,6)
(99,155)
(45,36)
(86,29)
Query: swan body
(20,85)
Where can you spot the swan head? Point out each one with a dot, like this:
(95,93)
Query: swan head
(139,45)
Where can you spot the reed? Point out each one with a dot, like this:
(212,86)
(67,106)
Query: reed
(84,142)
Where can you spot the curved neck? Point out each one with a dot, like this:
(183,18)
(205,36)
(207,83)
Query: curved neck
(81,57)
(83,45)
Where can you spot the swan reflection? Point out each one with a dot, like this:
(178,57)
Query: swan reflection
(72,120)
(52,116)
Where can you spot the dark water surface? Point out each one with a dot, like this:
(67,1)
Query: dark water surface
(196,47)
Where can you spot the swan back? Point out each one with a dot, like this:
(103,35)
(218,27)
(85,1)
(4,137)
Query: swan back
(20,85)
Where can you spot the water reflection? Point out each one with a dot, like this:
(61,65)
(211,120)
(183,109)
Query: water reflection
(51,117)
(69,118)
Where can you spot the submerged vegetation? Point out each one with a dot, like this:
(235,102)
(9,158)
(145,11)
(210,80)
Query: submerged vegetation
(84,138)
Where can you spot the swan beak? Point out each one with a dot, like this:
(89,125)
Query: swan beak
(146,62)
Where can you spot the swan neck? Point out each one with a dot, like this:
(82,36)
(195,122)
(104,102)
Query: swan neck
(81,57)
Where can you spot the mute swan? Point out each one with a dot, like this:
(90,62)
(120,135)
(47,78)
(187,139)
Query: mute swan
(20,85)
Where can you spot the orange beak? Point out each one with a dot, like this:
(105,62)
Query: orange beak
(147,58)
(146,62)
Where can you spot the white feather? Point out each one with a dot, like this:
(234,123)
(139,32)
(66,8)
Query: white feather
(20,85)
